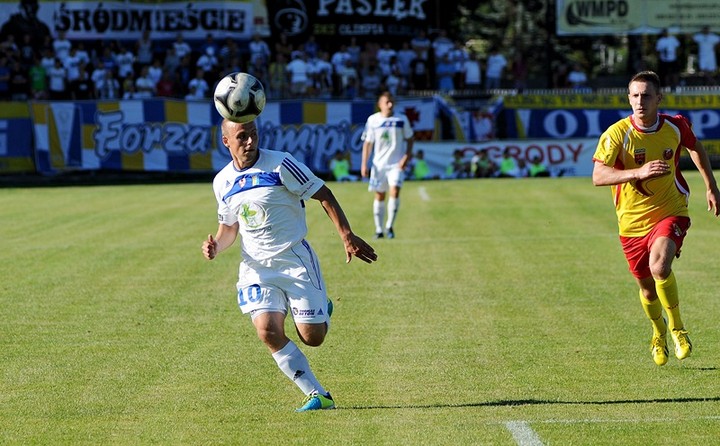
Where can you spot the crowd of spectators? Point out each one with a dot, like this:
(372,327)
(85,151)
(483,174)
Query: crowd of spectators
(60,69)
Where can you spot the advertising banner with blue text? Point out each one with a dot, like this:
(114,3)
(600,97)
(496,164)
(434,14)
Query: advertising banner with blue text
(184,136)
(588,115)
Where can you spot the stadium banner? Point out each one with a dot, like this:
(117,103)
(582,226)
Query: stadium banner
(335,21)
(16,143)
(125,20)
(588,115)
(613,17)
(569,157)
(184,136)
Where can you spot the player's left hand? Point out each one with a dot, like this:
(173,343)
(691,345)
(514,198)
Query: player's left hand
(713,198)
(355,246)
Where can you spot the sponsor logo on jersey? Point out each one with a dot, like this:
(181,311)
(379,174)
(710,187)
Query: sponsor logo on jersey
(252,214)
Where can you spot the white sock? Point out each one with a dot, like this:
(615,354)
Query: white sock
(379,215)
(295,366)
(393,206)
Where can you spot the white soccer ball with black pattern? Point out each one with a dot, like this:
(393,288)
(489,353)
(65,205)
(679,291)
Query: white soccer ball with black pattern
(239,97)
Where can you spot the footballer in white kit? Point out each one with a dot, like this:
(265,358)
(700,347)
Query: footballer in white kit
(261,197)
(279,267)
(388,138)
(388,135)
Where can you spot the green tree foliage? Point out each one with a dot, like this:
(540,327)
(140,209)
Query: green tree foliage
(527,28)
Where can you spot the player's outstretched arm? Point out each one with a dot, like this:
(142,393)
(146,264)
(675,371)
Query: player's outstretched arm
(702,162)
(354,245)
(224,237)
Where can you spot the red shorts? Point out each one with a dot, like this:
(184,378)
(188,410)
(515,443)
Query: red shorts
(637,249)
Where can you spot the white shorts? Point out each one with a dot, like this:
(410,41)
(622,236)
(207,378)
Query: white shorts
(381,179)
(291,281)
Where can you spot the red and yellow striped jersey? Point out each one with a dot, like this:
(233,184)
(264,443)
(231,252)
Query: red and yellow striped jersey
(641,204)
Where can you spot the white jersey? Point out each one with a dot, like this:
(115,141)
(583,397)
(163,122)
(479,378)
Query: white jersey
(267,201)
(706,50)
(388,136)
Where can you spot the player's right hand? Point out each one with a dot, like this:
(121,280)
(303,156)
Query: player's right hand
(209,247)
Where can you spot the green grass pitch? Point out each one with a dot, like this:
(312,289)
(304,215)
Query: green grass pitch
(502,314)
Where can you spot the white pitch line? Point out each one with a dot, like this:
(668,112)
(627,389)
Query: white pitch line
(628,420)
(424,196)
(523,434)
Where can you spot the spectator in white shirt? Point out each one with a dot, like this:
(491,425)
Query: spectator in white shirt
(107,86)
(471,72)
(124,60)
(258,48)
(62,46)
(404,56)
(48,59)
(577,77)
(496,64)
(322,73)
(155,71)
(208,61)
(182,48)
(707,61)
(57,81)
(384,55)
(458,55)
(349,79)
(421,45)
(442,45)
(144,86)
(83,54)
(339,57)
(98,73)
(209,43)
(199,84)
(668,65)
(298,71)
(72,62)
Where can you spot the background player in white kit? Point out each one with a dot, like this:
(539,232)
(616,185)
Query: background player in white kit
(260,196)
(390,136)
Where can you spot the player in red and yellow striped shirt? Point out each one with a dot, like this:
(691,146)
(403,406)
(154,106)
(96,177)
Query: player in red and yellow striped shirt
(638,157)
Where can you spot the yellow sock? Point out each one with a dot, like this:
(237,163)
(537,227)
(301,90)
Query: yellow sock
(667,292)
(653,309)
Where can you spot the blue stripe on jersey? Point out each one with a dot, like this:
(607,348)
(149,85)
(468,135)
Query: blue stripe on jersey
(315,266)
(392,123)
(251,181)
(295,171)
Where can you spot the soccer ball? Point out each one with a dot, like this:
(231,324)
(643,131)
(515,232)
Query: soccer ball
(239,97)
